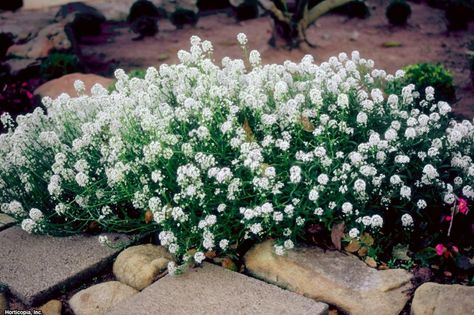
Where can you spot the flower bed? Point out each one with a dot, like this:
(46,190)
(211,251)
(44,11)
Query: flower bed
(211,156)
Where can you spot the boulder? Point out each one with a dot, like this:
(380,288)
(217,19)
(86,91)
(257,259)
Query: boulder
(143,18)
(439,299)
(332,277)
(51,37)
(10,5)
(53,307)
(100,298)
(138,266)
(83,19)
(65,84)
(26,68)
(6,40)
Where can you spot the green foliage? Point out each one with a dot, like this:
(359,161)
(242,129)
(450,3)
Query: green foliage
(135,73)
(398,12)
(59,64)
(423,75)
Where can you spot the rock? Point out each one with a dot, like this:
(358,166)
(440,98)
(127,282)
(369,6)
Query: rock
(51,37)
(182,17)
(118,10)
(27,68)
(173,6)
(3,303)
(53,307)
(65,84)
(35,267)
(247,10)
(332,277)
(100,298)
(210,289)
(6,40)
(5,221)
(143,18)
(83,19)
(439,299)
(137,266)
(10,5)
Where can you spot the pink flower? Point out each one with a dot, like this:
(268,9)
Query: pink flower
(462,206)
(455,249)
(440,249)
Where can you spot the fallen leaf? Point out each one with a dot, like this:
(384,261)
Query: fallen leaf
(148,216)
(391,44)
(400,252)
(229,264)
(383,266)
(353,246)
(210,254)
(362,251)
(371,262)
(248,131)
(163,57)
(337,233)
(307,124)
(367,239)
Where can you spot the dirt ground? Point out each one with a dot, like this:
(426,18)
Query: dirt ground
(424,39)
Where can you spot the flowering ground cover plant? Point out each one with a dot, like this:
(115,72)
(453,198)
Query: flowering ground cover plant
(213,155)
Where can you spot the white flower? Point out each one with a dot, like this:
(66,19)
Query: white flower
(376,221)
(288,244)
(256,228)
(323,179)
(36,214)
(313,194)
(359,185)
(347,208)
(354,233)
(82,179)
(407,220)
(242,39)
(279,250)
(421,204)
(103,240)
(199,257)
(28,225)
(295,174)
(405,192)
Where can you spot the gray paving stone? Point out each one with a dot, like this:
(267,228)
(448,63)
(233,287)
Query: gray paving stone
(215,290)
(36,266)
(6,221)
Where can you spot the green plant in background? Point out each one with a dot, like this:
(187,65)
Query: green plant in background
(398,12)
(437,76)
(135,73)
(59,64)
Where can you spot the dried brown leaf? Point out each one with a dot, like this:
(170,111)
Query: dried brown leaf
(353,246)
(250,137)
(371,262)
(307,124)
(367,239)
(337,233)
(148,216)
(362,251)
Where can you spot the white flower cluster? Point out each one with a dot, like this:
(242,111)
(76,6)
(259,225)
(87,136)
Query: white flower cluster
(221,153)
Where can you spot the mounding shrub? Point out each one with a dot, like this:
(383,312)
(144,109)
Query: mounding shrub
(398,12)
(423,75)
(215,156)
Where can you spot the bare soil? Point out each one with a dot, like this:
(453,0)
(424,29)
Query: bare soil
(424,39)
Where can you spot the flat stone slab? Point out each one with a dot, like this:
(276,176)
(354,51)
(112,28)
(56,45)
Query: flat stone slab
(215,290)
(6,221)
(36,266)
